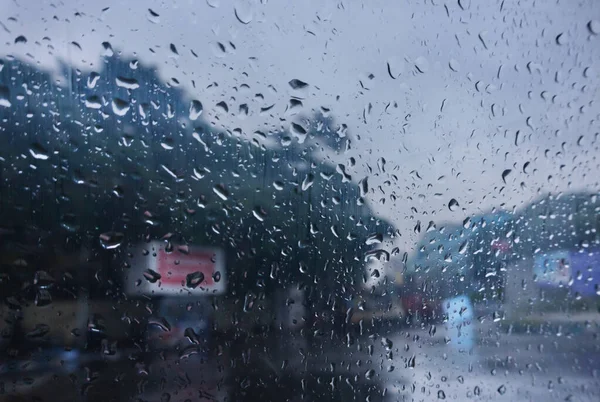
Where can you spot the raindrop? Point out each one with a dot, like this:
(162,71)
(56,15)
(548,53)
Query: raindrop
(259,213)
(39,331)
(377,255)
(454,65)
(374,238)
(298,131)
(38,152)
(92,79)
(20,39)
(4,96)
(191,336)
(153,16)
(370,374)
(363,186)
(594,27)
(194,279)
(308,181)
(221,191)
(505,174)
(394,68)
(151,275)
(111,240)
(93,102)
(421,64)
(127,83)
(297,84)
(173,49)
(120,107)
(43,279)
(502,390)
(453,205)
(108,50)
(195,109)
(464,4)
(243,12)
(441,394)
(160,322)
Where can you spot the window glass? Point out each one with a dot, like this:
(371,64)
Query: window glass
(318,200)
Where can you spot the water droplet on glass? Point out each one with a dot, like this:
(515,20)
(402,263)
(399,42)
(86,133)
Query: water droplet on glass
(453,205)
(363,186)
(374,238)
(127,83)
(153,16)
(243,12)
(308,181)
(594,27)
(38,152)
(454,65)
(259,213)
(421,64)
(160,322)
(298,132)
(111,240)
(221,191)
(297,84)
(93,79)
(505,174)
(20,39)
(108,50)
(93,102)
(195,109)
(441,394)
(151,275)
(502,390)
(4,96)
(370,374)
(120,107)
(194,279)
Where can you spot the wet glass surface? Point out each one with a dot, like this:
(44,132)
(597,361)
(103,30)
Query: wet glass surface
(313,201)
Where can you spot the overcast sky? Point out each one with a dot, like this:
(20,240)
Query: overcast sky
(466,77)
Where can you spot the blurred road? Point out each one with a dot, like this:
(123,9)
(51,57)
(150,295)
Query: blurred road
(400,365)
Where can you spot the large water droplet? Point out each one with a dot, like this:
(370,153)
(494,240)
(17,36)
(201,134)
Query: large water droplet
(505,174)
(421,64)
(243,12)
(298,132)
(594,27)
(111,240)
(127,83)
(4,96)
(221,191)
(160,322)
(120,107)
(453,205)
(20,39)
(194,279)
(153,16)
(93,102)
(38,152)
(151,275)
(195,109)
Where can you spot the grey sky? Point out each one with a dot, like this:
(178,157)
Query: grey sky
(335,46)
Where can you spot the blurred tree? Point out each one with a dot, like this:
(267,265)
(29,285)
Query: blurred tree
(119,151)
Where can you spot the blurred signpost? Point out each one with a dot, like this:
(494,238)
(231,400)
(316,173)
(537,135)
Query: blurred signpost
(160,270)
